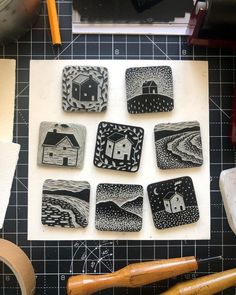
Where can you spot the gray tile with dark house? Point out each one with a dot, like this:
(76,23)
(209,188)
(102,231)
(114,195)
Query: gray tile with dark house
(61,145)
(84,88)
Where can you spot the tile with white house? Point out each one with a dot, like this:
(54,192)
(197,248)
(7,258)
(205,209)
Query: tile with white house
(84,89)
(65,203)
(149,89)
(61,145)
(173,202)
(119,207)
(118,147)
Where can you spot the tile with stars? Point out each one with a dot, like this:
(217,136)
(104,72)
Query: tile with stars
(173,202)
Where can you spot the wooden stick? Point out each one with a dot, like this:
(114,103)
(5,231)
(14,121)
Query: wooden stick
(54,23)
(133,275)
(206,285)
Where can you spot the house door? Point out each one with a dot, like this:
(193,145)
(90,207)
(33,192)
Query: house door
(125,157)
(181,208)
(65,161)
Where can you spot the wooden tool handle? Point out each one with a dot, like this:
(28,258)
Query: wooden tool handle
(133,275)
(206,285)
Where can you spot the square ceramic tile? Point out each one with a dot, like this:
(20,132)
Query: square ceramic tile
(178,145)
(119,207)
(173,202)
(65,203)
(149,89)
(84,88)
(61,145)
(118,147)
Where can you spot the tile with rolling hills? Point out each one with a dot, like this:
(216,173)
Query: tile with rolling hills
(149,89)
(119,207)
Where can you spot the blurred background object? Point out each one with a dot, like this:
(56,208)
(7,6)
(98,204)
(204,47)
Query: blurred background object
(17,18)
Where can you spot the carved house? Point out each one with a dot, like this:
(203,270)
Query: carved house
(149,87)
(85,88)
(174,202)
(60,149)
(118,147)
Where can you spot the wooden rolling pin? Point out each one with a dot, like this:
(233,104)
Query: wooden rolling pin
(206,285)
(133,275)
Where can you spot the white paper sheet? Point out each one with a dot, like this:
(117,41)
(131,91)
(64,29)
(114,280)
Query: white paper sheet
(9,153)
(7,98)
(191,103)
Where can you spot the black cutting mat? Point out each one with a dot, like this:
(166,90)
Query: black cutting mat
(55,261)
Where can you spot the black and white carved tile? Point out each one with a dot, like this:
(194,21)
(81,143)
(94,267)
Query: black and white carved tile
(149,89)
(119,207)
(118,147)
(178,145)
(65,203)
(173,202)
(84,88)
(61,145)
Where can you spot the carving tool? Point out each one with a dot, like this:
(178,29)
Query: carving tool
(206,285)
(54,23)
(134,275)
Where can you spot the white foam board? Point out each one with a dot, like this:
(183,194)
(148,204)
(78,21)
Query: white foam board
(9,153)
(7,98)
(191,103)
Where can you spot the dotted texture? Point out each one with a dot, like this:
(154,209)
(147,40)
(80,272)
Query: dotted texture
(55,261)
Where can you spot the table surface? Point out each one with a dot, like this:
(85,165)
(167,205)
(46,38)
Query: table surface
(54,262)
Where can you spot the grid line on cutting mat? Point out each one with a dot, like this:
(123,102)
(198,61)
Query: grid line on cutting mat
(55,261)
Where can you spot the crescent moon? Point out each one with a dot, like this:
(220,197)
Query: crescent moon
(155,191)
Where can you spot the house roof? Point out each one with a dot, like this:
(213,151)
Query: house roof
(170,195)
(54,138)
(80,79)
(149,83)
(115,137)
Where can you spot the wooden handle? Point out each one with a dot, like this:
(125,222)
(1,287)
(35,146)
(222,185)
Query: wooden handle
(133,275)
(206,285)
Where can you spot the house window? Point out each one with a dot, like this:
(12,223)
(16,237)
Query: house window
(75,88)
(50,154)
(124,145)
(64,148)
(175,208)
(118,152)
(177,199)
(90,86)
(167,205)
(109,146)
(85,94)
